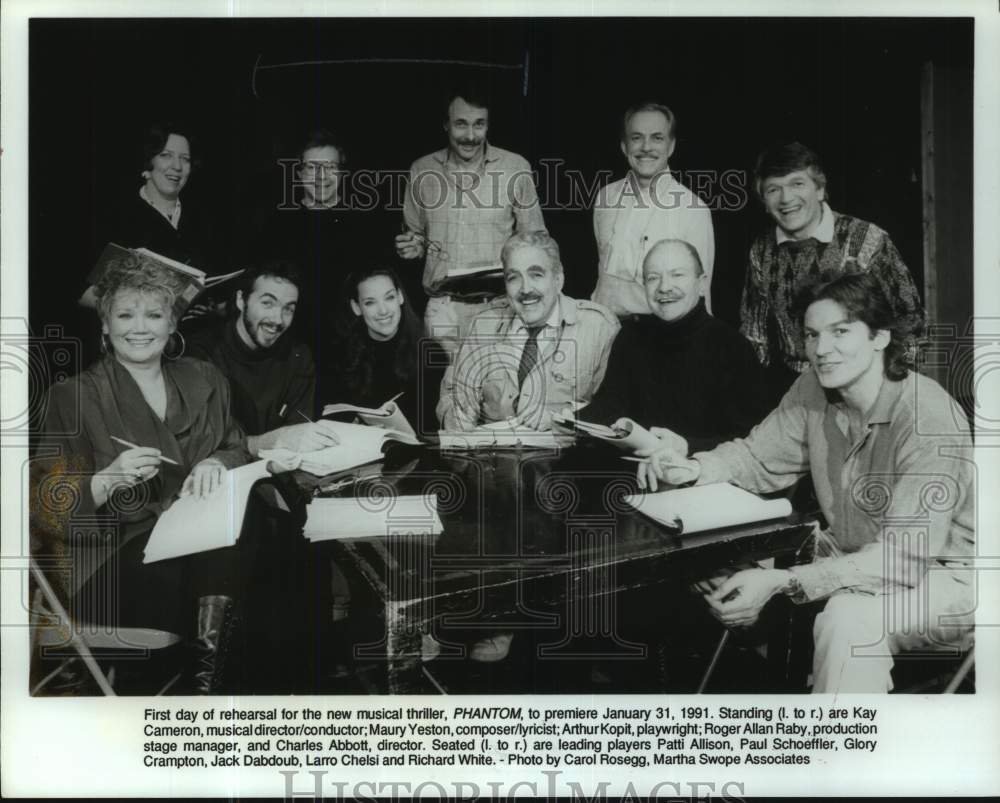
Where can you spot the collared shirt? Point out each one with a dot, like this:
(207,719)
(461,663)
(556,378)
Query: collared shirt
(628,221)
(174,218)
(822,234)
(778,271)
(519,332)
(466,214)
(480,386)
(898,494)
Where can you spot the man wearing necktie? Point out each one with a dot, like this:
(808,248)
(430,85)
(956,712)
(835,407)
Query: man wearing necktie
(531,353)
(810,238)
(526,356)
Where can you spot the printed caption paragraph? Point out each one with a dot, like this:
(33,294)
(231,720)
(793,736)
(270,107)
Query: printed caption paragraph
(518,736)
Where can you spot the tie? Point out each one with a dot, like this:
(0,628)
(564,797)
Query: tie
(529,357)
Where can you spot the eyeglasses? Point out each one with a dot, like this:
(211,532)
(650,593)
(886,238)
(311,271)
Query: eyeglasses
(312,168)
(435,249)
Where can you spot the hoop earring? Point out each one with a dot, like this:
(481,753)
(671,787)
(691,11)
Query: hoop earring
(180,353)
(105,343)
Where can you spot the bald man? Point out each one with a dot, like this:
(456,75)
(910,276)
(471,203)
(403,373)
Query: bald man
(680,368)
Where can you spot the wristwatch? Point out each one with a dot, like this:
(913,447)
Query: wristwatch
(793,586)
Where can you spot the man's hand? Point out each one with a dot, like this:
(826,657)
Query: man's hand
(306,437)
(738,601)
(205,479)
(409,245)
(668,462)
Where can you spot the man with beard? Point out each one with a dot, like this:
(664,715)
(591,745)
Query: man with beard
(272,381)
(460,206)
(273,378)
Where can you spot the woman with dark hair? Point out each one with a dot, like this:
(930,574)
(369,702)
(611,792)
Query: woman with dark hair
(153,218)
(378,355)
(139,427)
(890,456)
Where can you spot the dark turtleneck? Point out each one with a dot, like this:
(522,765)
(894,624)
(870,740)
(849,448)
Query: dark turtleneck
(696,376)
(271,388)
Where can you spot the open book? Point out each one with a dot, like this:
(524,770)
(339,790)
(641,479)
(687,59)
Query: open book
(630,437)
(193,525)
(192,280)
(491,269)
(708,507)
(388,416)
(477,279)
(359,444)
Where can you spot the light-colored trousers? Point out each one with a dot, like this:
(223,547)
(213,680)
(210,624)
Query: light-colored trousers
(856,635)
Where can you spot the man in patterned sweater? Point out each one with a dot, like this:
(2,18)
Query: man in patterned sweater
(810,238)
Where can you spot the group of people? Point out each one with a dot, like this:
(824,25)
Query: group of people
(828,303)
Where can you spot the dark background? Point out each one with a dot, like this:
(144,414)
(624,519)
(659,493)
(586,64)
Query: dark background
(849,88)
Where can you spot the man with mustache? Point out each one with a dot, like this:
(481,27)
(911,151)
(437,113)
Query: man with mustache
(680,368)
(461,204)
(272,376)
(810,238)
(531,353)
(646,206)
(526,357)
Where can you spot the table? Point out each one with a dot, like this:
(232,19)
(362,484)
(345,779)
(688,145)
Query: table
(532,539)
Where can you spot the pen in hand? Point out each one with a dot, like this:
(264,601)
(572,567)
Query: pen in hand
(131,445)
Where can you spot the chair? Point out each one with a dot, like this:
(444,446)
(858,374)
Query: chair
(945,671)
(56,634)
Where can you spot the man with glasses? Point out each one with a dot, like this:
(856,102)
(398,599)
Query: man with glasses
(319,225)
(461,205)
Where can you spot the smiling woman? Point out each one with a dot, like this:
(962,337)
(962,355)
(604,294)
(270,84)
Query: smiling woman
(379,354)
(177,411)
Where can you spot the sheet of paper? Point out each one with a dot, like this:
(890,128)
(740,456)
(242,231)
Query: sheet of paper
(387,416)
(193,525)
(632,438)
(361,517)
(708,507)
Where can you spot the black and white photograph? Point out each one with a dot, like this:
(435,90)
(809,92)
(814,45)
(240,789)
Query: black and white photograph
(596,404)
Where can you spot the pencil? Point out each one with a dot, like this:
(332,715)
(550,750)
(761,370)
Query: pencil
(124,442)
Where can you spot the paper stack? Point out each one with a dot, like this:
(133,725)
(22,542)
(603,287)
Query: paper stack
(708,507)
(367,517)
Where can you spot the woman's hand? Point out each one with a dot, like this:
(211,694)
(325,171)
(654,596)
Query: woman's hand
(204,479)
(131,467)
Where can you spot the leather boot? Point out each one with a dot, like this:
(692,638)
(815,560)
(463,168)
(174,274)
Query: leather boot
(211,644)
